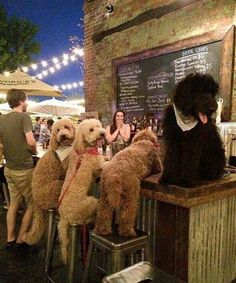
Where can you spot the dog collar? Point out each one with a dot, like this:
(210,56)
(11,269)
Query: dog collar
(185,123)
(92,150)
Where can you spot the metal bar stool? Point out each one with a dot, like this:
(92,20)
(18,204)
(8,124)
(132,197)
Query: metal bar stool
(116,248)
(78,233)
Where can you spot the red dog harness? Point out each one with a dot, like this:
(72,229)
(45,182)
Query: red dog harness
(92,151)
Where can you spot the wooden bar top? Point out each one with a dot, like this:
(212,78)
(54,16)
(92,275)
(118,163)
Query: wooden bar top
(189,197)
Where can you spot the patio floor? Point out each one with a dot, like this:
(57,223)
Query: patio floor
(30,268)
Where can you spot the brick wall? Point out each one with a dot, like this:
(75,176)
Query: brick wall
(192,20)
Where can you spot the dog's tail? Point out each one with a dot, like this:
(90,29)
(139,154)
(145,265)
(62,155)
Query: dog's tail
(63,236)
(37,228)
(112,186)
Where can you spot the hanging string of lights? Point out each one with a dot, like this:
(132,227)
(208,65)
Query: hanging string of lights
(54,64)
(70,85)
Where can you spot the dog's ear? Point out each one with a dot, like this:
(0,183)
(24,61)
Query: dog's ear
(78,143)
(53,141)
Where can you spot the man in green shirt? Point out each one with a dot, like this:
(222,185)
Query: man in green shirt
(18,145)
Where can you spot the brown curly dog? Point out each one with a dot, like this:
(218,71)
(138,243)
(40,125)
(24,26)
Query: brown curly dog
(120,183)
(85,165)
(48,177)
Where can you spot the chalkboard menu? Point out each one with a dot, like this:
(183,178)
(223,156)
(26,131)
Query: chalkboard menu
(145,86)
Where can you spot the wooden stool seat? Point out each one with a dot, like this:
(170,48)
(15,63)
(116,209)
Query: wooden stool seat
(117,247)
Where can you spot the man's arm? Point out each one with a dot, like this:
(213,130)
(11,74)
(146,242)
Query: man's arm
(31,142)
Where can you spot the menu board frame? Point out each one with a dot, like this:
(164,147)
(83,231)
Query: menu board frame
(226,35)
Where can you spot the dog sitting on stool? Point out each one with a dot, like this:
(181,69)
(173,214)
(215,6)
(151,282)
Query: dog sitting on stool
(85,165)
(48,177)
(193,147)
(120,183)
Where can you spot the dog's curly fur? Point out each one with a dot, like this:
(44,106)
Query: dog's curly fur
(197,153)
(76,206)
(48,178)
(120,183)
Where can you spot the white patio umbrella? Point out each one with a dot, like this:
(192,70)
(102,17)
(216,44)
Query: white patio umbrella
(4,108)
(56,107)
(22,81)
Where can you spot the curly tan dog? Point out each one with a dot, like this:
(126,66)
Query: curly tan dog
(85,165)
(120,183)
(49,175)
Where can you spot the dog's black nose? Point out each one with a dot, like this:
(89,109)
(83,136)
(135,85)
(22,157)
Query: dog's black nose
(63,137)
(102,135)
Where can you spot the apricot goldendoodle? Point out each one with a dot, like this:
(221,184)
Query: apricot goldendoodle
(85,165)
(120,183)
(49,175)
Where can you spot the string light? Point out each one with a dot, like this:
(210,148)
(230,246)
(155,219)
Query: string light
(69,85)
(25,69)
(57,61)
(44,63)
(34,66)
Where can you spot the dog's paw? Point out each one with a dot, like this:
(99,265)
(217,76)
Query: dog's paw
(127,232)
(102,230)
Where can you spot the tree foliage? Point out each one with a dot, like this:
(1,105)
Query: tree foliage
(17,43)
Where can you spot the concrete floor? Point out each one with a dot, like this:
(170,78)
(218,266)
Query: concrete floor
(30,268)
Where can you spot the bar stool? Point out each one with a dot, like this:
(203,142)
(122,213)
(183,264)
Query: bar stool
(78,233)
(116,248)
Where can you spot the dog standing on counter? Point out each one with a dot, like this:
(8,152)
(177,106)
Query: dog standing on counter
(49,175)
(85,165)
(120,183)
(193,147)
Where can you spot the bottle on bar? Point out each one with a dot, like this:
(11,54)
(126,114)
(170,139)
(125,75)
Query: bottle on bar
(150,125)
(155,126)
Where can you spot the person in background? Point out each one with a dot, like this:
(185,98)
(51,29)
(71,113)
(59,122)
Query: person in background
(36,128)
(18,146)
(45,132)
(118,131)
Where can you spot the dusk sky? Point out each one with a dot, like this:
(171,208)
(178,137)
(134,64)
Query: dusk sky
(57,21)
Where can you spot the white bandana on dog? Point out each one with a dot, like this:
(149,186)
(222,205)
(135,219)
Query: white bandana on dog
(185,123)
(64,151)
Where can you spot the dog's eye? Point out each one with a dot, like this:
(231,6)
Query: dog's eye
(66,127)
(58,130)
(91,130)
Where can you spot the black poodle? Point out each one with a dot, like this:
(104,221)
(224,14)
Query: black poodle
(193,147)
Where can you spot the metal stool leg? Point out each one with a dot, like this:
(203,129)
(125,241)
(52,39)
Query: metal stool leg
(117,263)
(73,252)
(51,246)
(51,216)
(6,193)
(88,261)
(84,242)
(148,252)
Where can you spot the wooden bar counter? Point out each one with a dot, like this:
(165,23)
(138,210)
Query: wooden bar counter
(192,230)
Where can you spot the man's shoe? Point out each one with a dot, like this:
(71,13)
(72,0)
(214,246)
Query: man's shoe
(22,249)
(10,245)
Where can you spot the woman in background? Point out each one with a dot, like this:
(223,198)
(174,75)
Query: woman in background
(45,132)
(118,131)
